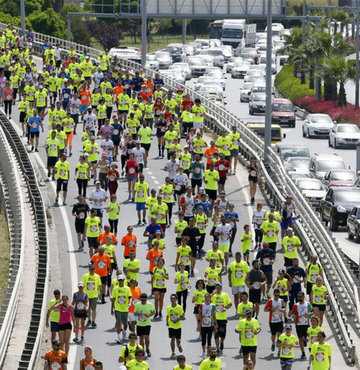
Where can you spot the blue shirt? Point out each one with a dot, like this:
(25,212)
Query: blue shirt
(229,216)
(65,73)
(151,229)
(35,120)
(158,81)
(298,271)
(64,91)
(44,46)
(116,127)
(127,81)
(138,82)
(206,207)
(261,255)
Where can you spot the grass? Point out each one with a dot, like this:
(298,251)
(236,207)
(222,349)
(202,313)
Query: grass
(4,256)
(158,42)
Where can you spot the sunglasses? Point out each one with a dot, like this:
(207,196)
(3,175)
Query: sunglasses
(140,355)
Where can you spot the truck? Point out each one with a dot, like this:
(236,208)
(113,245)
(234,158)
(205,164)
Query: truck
(233,31)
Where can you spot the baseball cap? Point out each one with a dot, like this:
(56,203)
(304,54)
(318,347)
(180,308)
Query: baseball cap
(219,284)
(289,229)
(138,142)
(288,326)
(97,182)
(121,277)
(104,154)
(158,232)
(56,342)
(92,138)
(81,284)
(272,206)
(248,310)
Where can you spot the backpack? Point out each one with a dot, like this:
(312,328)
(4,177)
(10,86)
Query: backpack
(126,354)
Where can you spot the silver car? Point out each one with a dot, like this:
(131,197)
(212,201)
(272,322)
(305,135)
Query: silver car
(344,135)
(257,103)
(152,62)
(245,91)
(240,69)
(231,62)
(313,190)
(164,58)
(197,65)
(216,55)
(182,67)
(317,125)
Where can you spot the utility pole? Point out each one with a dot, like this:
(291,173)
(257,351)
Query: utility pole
(143,32)
(317,79)
(22,13)
(357,57)
(184,24)
(303,22)
(268,83)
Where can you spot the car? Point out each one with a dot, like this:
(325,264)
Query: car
(262,61)
(197,65)
(298,175)
(257,103)
(337,204)
(283,112)
(216,55)
(288,150)
(253,75)
(298,164)
(152,62)
(258,67)
(183,67)
(215,43)
(313,190)
(227,51)
(339,178)
(250,54)
(240,69)
(206,81)
(189,50)
(164,59)
(178,76)
(245,91)
(322,163)
(353,224)
(317,125)
(344,135)
(176,51)
(202,43)
(211,91)
(231,63)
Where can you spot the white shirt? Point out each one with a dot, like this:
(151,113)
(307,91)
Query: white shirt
(107,146)
(58,54)
(172,167)
(224,233)
(98,195)
(259,218)
(74,106)
(180,180)
(189,206)
(90,120)
(138,154)
(98,76)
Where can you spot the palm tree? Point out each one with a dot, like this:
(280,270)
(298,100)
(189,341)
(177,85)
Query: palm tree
(299,58)
(292,42)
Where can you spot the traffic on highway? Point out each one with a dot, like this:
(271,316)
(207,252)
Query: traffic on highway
(168,254)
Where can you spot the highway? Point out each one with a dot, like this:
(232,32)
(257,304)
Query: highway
(294,136)
(68,266)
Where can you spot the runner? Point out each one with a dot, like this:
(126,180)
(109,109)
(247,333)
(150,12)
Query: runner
(183,285)
(254,171)
(92,283)
(313,331)
(52,152)
(297,275)
(212,276)
(207,323)
(82,175)
(320,356)
(80,212)
(312,270)
(62,170)
(113,208)
(80,303)
(140,194)
(318,296)
(55,358)
(174,317)
(53,315)
(102,265)
(257,219)
(246,240)
(158,282)
(233,218)
(182,365)
(266,257)
(254,280)
(92,231)
(223,232)
(98,197)
(290,245)
(286,344)
(212,362)
(129,242)
(88,362)
(270,230)
(127,353)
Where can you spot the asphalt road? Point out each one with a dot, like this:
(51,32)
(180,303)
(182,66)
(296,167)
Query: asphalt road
(294,136)
(69,266)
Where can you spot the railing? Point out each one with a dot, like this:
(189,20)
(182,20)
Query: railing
(10,191)
(343,292)
(30,352)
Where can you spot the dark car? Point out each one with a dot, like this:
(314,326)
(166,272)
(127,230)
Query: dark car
(353,224)
(283,112)
(337,204)
(339,178)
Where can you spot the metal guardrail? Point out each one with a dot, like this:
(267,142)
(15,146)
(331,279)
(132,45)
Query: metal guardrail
(10,192)
(343,292)
(30,352)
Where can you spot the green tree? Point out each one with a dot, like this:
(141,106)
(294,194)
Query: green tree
(48,22)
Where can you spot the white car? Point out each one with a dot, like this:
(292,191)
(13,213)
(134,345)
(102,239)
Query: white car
(344,135)
(262,61)
(231,62)
(164,58)
(151,62)
(227,51)
(251,75)
(183,67)
(240,69)
(197,65)
(313,189)
(211,91)
(317,125)
(214,55)
(245,91)
(205,81)
(178,76)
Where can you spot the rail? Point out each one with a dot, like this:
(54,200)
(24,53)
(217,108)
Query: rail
(10,192)
(343,292)
(30,352)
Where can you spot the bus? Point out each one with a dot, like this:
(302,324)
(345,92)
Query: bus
(259,130)
(215,29)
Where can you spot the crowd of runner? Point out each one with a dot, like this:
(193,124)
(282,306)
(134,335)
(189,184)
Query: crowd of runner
(120,114)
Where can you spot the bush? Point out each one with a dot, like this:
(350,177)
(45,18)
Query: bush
(290,86)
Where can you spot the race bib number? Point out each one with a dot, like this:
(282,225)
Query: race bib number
(200,225)
(84,97)
(9,97)
(197,170)
(184,286)
(270,233)
(142,317)
(185,163)
(290,248)
(159,217)
(160,282)
(121,300)
(140,194)
(184,259)
(198,148)
(221,167)
(303,320)
(34,125)
(111,178)
(82,215)
(174,317)
(131,170)
(131,243)
(116,132)
(212,281)
(90,286)
(276,314)
(253,173)
(266,261)
(55,366)
(62,172)
(256,285)
(167,196)
(313,277)
(102,114)
(225,147)
(206,320)
(249,334)
(93,228)
(66,96)
(123,102)
(239,274)
(52,147)
(219,308)
(101,264)
(320,357)
(286,351)
(81,306)
(318,299)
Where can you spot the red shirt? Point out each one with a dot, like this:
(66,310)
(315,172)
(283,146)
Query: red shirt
(131,167)
(168,116)
(158,108)
(187,102)
(222,167)
(144,95)
(113,176)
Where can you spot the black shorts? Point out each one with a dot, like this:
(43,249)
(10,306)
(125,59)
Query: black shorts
(66,326)
(211,193)
(51,161)
(221,332)
(175,333)
(104,280)
(116,141)
(143,330)
(80,314)
(222,180)
(40,109)
(288,262)
(141,167)
(113,266)
(54,327)
(321,307)
(196,309)
(121,111)
(22,117)
(253,179)
(276,327)
(34,134)
(309,288)
(79,226)
(161,290)
(195,183)
(193,251)
(248,349)
(284,298)
(269,276)
(146,146)
(61,184)
(93,241)
(75,117)
(255,295)
(301,331)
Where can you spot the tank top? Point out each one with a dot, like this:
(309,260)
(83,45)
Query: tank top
(259,218)
(255,278)
(189,206)
(206,310)
(88,365)
(65,315)
(222,205)
(252,172)
(131,167)
(80,301)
